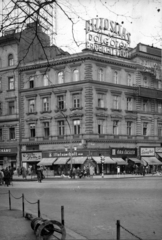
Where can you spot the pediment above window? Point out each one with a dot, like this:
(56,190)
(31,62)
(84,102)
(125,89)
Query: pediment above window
(76,114)
(131,117)
(60,116)
(117,116)
(31,120)
(44,118)
(102,115)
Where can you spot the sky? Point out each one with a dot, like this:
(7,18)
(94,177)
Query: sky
(142,18)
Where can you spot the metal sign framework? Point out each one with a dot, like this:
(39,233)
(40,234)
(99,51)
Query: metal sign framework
(16,14)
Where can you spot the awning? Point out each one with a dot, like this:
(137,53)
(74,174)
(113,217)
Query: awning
(46,162)
(135,160)
(119,161)
(61,161)
(108,160)
(152,160)
(77,160)
(159,154)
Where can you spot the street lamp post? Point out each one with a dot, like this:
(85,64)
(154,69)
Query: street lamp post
(102,162)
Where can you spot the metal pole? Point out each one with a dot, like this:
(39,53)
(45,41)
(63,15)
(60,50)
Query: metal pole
(62,215)
(9,199)
(38,208)
(23,205)
(118,230)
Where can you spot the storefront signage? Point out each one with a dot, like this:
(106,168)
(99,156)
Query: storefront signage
(124,152)
(8,150)
(106,36)
(28,157)
(158,149)
(147,151)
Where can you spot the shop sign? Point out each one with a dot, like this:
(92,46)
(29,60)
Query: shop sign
(36,156)
(124,152)
(106,36)
(8,150)
(147,151)
(158,149)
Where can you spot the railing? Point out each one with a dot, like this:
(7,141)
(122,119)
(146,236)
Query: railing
(43,228)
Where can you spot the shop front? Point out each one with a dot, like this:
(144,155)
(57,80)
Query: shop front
(8,157)
(125,159)
(149,159)
(30,160)
(79,159)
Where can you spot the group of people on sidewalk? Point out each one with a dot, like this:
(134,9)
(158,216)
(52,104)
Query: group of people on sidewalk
(6,176)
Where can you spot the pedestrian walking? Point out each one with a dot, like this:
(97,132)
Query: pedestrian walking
(24,172)
(40,174)
(7,177)
(1,177)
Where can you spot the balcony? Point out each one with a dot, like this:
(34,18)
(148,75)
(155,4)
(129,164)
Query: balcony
(149,93)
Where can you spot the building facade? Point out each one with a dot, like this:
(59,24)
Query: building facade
(89,104)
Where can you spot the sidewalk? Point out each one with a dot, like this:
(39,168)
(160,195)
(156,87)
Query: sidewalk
(14,226)
(96,177)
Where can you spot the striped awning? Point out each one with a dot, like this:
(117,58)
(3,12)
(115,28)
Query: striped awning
(108,160)
(135,160)
(152,160)
(77,160)
(46,162)
(61,161)
(119,161)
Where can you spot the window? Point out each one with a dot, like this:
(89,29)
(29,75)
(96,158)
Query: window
(129,104)
(129,128)
(145,82)
(32,130)
(129,80)
(115,127)
(0,109)
(11,108)
(31,106)
(100,127)
(10,60)
(0,84)
(11,83)
(116,77)
(100,74)
(12,133)
(76,124)
(45,104)
(31,82)
(159,107)
(76,100)
(61,104)
(45,80)
(75,75)
(61,127)
(60,77)
(1,134)
(100,100)
(116,102)
(145,105)
(145,128)
(46,129)
(160,131)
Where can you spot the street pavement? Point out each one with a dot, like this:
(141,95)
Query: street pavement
(92,206)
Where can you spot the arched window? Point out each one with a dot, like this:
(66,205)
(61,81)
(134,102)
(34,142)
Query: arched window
(75,75)
(116,77)
(60,77)
(10,60)
(145,82)
(100,74)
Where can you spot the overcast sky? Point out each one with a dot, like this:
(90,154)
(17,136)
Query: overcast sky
(142,18)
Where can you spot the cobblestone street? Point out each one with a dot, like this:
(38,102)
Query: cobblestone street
(92,207)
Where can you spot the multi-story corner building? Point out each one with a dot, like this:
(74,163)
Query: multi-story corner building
(91,104)
(16,48)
